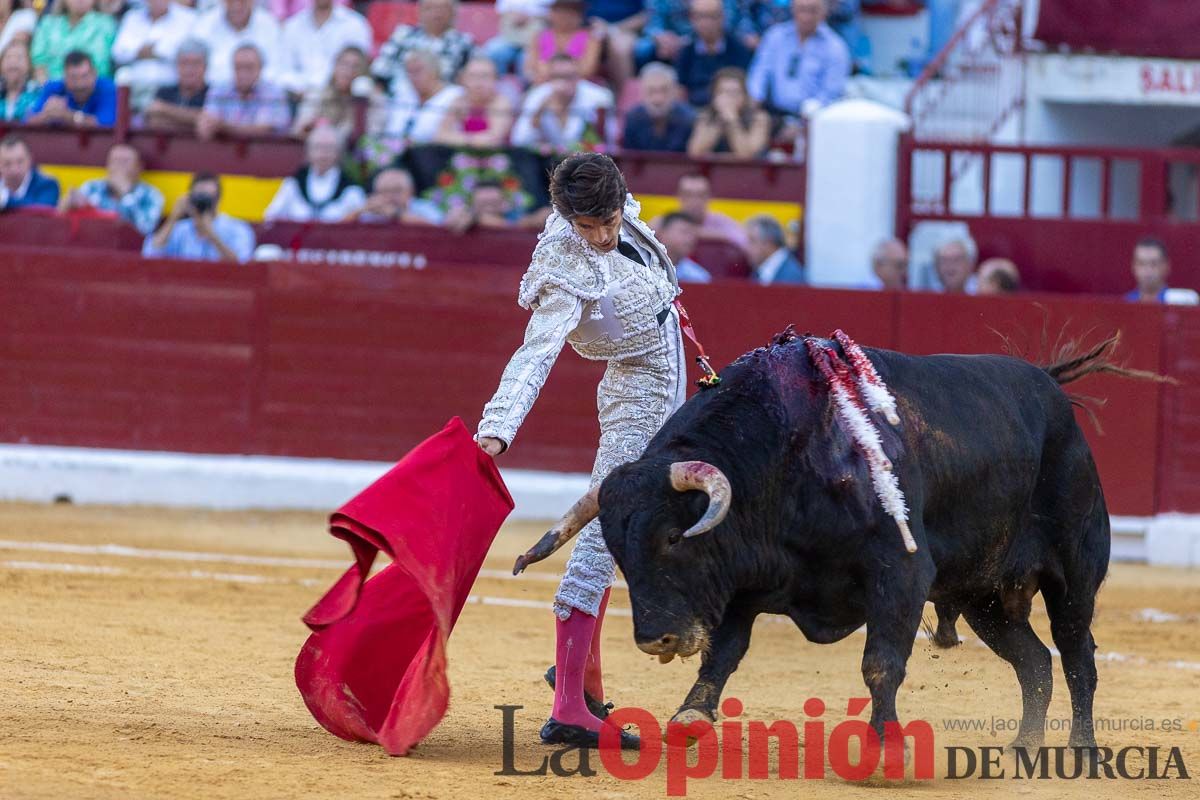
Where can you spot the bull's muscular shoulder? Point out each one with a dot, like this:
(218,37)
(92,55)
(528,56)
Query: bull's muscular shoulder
(562,260)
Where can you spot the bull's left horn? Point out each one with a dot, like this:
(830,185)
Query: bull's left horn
(586,509)
(700,475)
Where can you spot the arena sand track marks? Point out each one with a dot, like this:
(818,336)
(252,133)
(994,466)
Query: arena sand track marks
(140,683)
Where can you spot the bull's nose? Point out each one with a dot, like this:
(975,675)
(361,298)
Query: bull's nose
(667,643)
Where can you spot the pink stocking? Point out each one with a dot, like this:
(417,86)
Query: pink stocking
(571,658)
(593,677)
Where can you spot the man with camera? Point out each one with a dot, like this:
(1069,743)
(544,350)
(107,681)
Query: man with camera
(194,230)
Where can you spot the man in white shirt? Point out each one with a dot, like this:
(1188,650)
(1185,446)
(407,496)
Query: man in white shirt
(565,111)
(148,40)
(312,40)
(773,262)
(319,190)
(238,22)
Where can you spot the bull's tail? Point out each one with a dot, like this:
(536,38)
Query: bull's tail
(1071,361)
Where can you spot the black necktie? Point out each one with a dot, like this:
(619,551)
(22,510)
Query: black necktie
(630,252)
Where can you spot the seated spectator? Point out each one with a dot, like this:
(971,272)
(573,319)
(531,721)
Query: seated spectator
(618,23)
(21,184)
(694,193)
(417,112)
(520,23)
(566,113)
(800,65)
(492,207)
(248,107)
(80,100)
(712,47)
(16,24)
(733,122)
(998,276)
(954,265)
(73,25)
(121,191)
(391,200)
(479,117)
(313,40)
(770,258)
(335,104)
(148,40)
(320,190)
(668,29)
(178,107)
(889,262)
(286,9)
(565,34)
(679,233)
(1151,267)
(196,230)
(660,122)
(19,92)
(434,33)
(226,28)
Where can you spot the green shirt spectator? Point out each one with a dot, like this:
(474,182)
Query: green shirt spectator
(75,26)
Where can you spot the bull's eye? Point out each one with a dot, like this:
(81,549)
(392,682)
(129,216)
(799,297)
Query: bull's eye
(674,537)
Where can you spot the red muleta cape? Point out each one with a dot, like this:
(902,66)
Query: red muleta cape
(374,669)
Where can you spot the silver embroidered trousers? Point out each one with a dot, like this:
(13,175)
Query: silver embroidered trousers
(634,399)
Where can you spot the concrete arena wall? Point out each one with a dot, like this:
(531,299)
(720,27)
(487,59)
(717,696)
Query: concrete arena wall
(358,364)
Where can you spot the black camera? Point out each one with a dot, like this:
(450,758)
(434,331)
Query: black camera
(203,203)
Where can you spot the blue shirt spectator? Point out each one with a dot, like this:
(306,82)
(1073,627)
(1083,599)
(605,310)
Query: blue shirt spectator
(121,191)
(615,10)
(80,99)
(196,230)
(668,29)
(712,47)
(791,75)
(21,185)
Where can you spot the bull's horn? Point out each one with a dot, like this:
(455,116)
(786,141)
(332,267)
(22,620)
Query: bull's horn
(586,509)
(688,475)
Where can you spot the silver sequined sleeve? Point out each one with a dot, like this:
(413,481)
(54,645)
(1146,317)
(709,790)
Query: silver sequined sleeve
(555,316)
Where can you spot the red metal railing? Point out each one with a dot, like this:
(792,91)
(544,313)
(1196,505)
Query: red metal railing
(975,86)
(1069,216)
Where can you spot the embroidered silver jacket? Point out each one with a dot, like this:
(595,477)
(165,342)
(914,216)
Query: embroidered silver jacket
(603,304)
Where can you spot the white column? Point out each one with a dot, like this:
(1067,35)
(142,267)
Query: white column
(851,200)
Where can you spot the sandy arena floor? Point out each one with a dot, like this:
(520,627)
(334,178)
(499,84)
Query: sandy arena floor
(145,673)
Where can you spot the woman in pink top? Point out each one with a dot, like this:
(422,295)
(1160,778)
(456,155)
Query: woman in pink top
(565,34)
(481,116)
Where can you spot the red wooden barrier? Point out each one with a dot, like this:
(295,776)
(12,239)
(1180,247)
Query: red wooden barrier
(305,360)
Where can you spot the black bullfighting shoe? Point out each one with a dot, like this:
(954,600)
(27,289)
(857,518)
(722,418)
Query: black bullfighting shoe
(597,708)
(555,732)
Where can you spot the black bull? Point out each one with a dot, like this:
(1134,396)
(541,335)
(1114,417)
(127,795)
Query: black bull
(1004,501)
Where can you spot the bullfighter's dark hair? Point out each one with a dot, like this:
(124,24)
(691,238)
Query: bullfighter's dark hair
(587,185)
(77,57)
(1155,242)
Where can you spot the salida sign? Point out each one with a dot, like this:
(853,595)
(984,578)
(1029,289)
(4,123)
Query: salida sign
(1175,80)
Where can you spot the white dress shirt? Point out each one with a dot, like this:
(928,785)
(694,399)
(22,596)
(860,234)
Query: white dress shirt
(309,51)
(262,31)
(767,269)
(289,203)
(589,99)
(165,34)
(419,122)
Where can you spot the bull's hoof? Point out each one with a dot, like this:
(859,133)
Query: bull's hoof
(946,639)
(686,716)
(666,658)
(1027,742)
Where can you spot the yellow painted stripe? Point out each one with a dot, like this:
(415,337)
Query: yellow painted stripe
(654,205)
(242,196)
(247,197)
